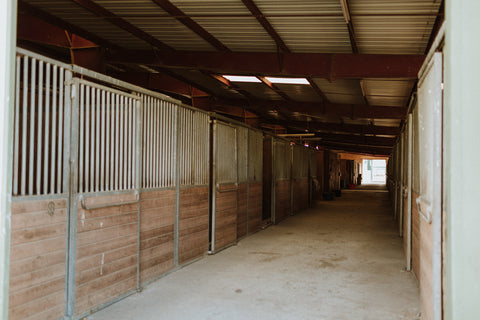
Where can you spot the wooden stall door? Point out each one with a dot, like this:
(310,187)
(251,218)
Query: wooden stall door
(429,202)
(224,187)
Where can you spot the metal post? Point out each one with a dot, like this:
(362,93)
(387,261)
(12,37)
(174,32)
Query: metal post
(409,191)
(8,24)
(177,182)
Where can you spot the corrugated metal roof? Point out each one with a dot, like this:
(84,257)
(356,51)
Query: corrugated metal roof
(388,92)
(346,91)
(300,92)
(394,26)
(259,90)
(304,25)
(76,15)
(152,19)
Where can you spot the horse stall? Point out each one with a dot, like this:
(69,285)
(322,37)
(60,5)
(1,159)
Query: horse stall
(110,189)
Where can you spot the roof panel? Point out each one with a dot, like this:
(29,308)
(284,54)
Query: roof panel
(388,92)
(300,92)
(259,90)
(149,17)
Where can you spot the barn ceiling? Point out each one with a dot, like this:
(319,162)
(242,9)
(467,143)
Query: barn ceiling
(357,61)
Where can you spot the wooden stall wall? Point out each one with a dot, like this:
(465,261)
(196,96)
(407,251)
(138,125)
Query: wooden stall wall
(255,180)
(320,174)
(224,186)
(242,174)
(194,175)
(282,173)
(300,179)
(268,205)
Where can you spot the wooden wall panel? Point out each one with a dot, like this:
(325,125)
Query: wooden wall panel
(282,200)
(37,260)
(255,205)
(300,194)
(193,223)
(242,199)
(107,240)
(225,217)
(157,245)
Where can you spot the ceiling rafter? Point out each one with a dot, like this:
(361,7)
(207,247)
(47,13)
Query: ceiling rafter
(354,139)
(348,19)
(348,128)
(384,151)
(250,4)
(324,65)
(122,23)
(275,89)
(178,14)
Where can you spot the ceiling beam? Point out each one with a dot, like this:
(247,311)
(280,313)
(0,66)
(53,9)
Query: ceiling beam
(352,111)
(345,128)
(121,23)
(354,139)
(325,65)
(274,88)
(266,24)
(191,24)
(384,151)
(24,7)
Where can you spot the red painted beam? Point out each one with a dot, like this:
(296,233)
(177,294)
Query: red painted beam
(121,23)
(162,82)
(345,128)
(356,111)
(355,139)
(324,65)
(191,24)
(358,149)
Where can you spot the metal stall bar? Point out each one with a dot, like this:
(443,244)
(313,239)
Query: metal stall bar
(117,139)
(82,143)
(102,141)
(39,127)
(47,126)
(92,141)
(108,184)
(17,125)
(60,129)
(32,127)
(54,129)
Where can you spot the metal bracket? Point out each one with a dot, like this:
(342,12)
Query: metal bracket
(427,216)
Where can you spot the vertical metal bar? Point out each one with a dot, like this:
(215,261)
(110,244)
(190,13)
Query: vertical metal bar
(108,149)
(24,126)
(73,200)
(163,149)
(129,161)
(47,128)
(148,119)
(144,158)
(81,138)
(154,134)
(137,131)
(409,192)
(125,141)
(166,147)
(87,139)
(117,139)
(120,159)
(176,143)
(102,142)
(60,130)
(92,163)
(32,127)
(54,129)
(39,127)
(17,126)
(97,138)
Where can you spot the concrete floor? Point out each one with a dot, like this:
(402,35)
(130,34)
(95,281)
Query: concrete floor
(342,259)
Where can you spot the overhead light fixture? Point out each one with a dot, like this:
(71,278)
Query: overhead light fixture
(242,79)
(288,80)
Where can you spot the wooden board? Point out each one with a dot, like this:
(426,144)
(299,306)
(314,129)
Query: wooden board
(107,240)
(300,194)
(282,200)
(255,204)
(37,259)
(157,245)
(193,223)
(242,199)
(225,218)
